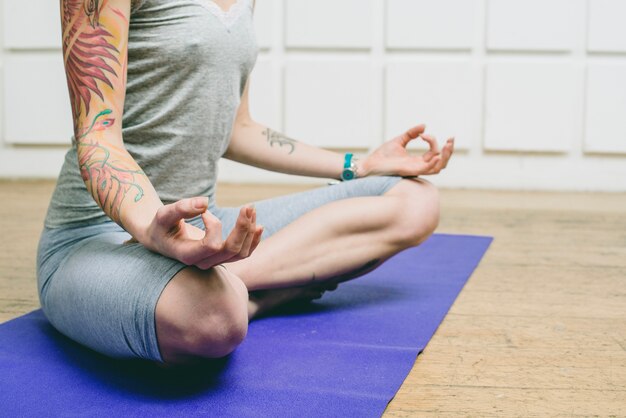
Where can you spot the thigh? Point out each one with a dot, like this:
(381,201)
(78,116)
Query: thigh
(276,213)
(104,294)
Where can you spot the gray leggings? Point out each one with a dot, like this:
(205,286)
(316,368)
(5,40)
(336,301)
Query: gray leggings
(103,293)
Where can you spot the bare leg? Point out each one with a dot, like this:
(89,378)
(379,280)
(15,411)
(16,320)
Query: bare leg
(201,313)
(343,239)
(204,313)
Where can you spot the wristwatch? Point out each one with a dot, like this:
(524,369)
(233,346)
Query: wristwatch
(349,168)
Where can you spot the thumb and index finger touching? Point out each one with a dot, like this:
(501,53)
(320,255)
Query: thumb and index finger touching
(171,215)
(211,245)
(411,134)
(418,132)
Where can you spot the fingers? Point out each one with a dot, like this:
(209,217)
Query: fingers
(432,144)
(445,155)
(431,165)
(204,249)
(411,134)
(172,214)
(257,238)
(194,251)
(212,231)
(239,235)
(257,232)
(212,250)
(252,240)
(243,239)
(448,149)
(443,158)
(245,248)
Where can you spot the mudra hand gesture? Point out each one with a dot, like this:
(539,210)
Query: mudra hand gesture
(170,235)
(392,158)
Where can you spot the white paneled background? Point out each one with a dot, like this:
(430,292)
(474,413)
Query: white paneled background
(533,90)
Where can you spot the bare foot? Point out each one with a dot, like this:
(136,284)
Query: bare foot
(261,301)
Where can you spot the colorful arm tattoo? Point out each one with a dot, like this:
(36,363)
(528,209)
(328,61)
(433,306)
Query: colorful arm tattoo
(107,178)
(88,55)
(95,48)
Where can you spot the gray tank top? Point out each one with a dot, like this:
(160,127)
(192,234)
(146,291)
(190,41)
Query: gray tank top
(188,63)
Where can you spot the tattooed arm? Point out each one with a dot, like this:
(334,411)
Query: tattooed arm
(95,50)
(95,36)
(257,145)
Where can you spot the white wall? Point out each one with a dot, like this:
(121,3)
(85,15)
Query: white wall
(533,90)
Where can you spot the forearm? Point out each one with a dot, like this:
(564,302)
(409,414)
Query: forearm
(117,183)
(260,146)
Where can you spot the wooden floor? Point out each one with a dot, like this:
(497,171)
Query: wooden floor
(539,330)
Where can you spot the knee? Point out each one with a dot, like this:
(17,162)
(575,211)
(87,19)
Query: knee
(201,314)
(418,212)
(219,333)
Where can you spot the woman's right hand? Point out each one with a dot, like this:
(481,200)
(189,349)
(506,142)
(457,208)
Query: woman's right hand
(170,235)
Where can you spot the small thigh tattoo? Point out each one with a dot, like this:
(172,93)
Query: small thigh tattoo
(276,138)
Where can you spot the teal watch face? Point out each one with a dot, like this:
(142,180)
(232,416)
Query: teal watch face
(348,172)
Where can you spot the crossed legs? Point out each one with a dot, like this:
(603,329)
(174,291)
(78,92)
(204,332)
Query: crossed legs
(204,313)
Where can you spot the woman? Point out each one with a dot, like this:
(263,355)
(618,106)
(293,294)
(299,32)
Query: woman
(135,259)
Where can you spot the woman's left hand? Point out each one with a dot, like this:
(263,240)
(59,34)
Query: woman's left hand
(392,158)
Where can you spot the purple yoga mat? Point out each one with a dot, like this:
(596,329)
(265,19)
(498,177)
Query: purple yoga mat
(345,355)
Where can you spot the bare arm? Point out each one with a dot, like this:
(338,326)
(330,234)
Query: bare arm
(257,145)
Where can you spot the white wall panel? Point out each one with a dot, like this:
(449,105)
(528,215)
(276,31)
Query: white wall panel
(2,100)
(607,31)
(542,25)
(36,102)
(264,22)
(2,79)
(532,106)
(327,102)
(505,77)
(265,93)
(329,23)
(606,108)
(427,24)
(444,95)
(31,24)
(29,162)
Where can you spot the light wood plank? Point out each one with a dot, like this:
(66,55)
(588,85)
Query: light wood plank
(484,401)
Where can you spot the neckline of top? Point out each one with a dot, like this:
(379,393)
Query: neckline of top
(225,11)
(228,16)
